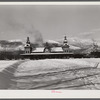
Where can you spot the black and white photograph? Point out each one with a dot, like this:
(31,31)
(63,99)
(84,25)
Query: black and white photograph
(50,47)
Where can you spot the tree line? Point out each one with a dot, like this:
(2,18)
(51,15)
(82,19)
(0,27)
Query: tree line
(9,55)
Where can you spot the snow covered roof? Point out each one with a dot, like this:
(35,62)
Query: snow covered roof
(70,47)
(57,49)
(39,49)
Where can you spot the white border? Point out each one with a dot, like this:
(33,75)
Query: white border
(48,93)
(50,3)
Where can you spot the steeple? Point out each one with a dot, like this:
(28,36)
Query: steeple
(65,46)
(28,48)
(28,41)
(65,39)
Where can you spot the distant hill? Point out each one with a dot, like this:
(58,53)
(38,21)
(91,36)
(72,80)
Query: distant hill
(11,45)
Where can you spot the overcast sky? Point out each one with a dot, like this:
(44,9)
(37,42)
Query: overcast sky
(53,22)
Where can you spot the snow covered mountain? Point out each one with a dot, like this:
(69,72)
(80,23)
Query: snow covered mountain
(11,45)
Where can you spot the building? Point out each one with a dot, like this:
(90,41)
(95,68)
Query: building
(64,51)
(47,48)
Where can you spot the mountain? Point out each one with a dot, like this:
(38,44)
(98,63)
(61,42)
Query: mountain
(11,45)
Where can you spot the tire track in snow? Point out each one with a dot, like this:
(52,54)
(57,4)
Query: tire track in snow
(71,80)
(64,81)
(51,83)
(54,73)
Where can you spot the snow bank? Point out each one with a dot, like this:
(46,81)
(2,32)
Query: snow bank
(4,64)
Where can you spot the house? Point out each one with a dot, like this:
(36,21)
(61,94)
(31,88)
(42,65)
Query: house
(64,51)
(65,48)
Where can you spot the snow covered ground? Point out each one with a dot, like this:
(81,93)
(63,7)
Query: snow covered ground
(50,74)
(6,63)
(33,67)
(58,74)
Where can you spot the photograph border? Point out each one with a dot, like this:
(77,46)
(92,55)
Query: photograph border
(71,94)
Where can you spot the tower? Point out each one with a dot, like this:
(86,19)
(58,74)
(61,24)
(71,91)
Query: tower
(28,48)
(65,46)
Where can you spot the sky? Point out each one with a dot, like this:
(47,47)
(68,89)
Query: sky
(51,21)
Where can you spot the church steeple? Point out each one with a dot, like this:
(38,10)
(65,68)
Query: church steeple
(28,48)
(65,39)
(65,46)
(28,41)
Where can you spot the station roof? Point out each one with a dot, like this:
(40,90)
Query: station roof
(39,49)
(55,49)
